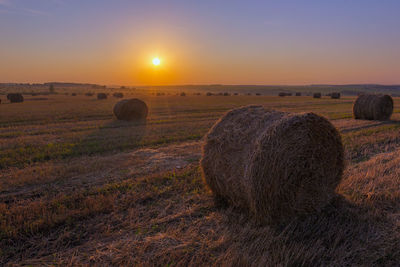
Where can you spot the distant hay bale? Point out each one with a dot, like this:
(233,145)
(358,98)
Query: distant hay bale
(73,94)
(248,93)
(373,107)
(131,110)
(289,94)
(335,95)
(227,94)
(183,94)
(317,95)
(209,94)
(298,94)
(275,165)
(101,96)
(282,94)
(235,94)
(118,95)
(258,94)
(15,98)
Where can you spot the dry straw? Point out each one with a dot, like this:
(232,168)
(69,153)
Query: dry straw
(275,165)
(131,110)
(373,107)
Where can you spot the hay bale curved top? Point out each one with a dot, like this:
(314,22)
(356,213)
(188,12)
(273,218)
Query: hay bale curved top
(282,94)
(15,97)
(335,95)
(273,164)
(131,110)
(101,96)
(373,107)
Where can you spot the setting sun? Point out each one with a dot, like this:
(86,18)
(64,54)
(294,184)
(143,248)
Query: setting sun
(156,61)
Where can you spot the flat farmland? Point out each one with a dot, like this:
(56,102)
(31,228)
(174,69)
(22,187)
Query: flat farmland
(78,187)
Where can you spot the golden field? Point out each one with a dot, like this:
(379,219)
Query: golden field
(78,187)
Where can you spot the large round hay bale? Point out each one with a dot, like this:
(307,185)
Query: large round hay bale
(131,110)
(282,94)
(275,165)
(101,96)
(298,94)
(15,98)
(373,107)
(335,95)
(317,95)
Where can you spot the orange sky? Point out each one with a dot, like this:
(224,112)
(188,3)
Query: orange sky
(252,42)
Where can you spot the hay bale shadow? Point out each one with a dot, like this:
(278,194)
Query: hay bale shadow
(382,123)
(342,234)
(114,136)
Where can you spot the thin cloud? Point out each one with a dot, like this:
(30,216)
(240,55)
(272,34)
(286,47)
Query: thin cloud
(12,8)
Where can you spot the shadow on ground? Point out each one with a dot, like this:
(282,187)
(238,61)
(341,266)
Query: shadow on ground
(342,234)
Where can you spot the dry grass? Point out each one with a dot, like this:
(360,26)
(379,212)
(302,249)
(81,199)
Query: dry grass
(131,202)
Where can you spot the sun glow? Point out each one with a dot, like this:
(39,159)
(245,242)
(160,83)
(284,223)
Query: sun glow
(156,61)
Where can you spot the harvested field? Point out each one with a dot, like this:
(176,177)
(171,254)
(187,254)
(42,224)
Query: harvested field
(78,187)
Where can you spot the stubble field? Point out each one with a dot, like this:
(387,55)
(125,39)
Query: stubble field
(78,187)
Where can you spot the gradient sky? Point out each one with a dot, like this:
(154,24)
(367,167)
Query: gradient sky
(200,42)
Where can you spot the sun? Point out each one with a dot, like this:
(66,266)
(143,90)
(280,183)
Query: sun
(156,61)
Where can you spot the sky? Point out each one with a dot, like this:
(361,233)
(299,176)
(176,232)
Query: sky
(200,42)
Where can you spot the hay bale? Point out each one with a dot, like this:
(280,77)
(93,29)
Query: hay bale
(373,107)
(183,94)
(335,95)
(227,94)
(73,94)
(289,94)
(235,93)
(275,165)
(209,94)
(118,95)
(15,98)
(298,94)
(258,94)
(317,95)
(282,94)
(101,96)
(131,110)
